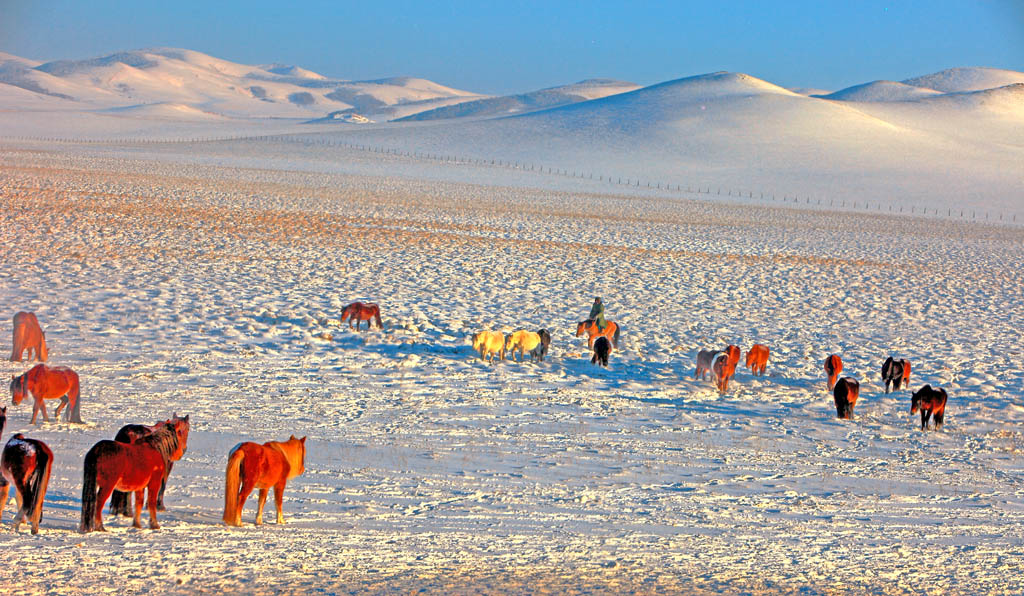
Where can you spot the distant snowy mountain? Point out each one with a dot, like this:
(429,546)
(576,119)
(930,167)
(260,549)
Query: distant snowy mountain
(955,80)
(527,102)
(880,91)
(163,76)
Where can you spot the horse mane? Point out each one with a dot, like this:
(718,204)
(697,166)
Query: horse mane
(163,439)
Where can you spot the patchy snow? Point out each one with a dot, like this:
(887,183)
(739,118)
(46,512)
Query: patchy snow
(173,279)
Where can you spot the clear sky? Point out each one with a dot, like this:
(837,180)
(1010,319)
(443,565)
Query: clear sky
(506,47)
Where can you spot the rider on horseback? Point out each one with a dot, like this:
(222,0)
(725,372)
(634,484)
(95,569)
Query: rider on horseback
(597,314)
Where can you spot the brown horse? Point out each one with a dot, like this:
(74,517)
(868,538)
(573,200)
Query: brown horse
(757,359)
(611,331)
(251,465)
(722,369)
(44,382)
(932,402)
(833,366)
(28,335)
(845,394)
(359,311)
(167,447)
(26,464)
(895,372)
(130,467)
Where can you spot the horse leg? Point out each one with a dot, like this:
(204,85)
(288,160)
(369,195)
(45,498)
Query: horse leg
(4,487)
(259,505)
(924,418)
(247,486)
(152,491)
(19,513)
(101,501)
(137,518)
(60,406)
(279,500)
(163,487)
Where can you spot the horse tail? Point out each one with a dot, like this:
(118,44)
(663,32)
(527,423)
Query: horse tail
(232,485)
(74,395)
(89,496)
(37,485)
(615,340)
(376,315)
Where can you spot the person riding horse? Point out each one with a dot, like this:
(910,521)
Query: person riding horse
(597,314)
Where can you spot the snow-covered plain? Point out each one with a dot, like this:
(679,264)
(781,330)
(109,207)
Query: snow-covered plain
(208,279)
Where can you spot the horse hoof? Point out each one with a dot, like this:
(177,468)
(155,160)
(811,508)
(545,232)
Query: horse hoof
(154,526)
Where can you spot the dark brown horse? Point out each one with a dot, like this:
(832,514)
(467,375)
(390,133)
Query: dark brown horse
(541,350)
(932,402)
(25,463)
(833,366)
(602,349)
(895,372)
(131,467)
(845,394)
(119,503)
(360,311)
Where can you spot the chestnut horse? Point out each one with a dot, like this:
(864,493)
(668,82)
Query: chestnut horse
(525,341)
(733,354)
(359,311)
(26,464)
(833,366)
(602,349)
(932,402)
(895,372)
(28,335)
(130,467)
(611,331)
(845,394)
(130,433)
(44,382)
(251,465)
(489,344)
(757,359)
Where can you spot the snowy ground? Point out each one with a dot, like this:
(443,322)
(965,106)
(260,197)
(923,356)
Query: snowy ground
(180,281)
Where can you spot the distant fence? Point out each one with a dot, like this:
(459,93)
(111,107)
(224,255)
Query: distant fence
(628,181)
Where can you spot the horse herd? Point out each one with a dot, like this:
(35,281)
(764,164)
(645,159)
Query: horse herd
(721,365)
(140,458)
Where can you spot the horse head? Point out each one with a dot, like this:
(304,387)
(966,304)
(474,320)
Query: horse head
(296,455)
(17,389)
(181,428)
(581,327)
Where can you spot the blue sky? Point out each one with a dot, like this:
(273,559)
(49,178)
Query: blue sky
(512,46)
